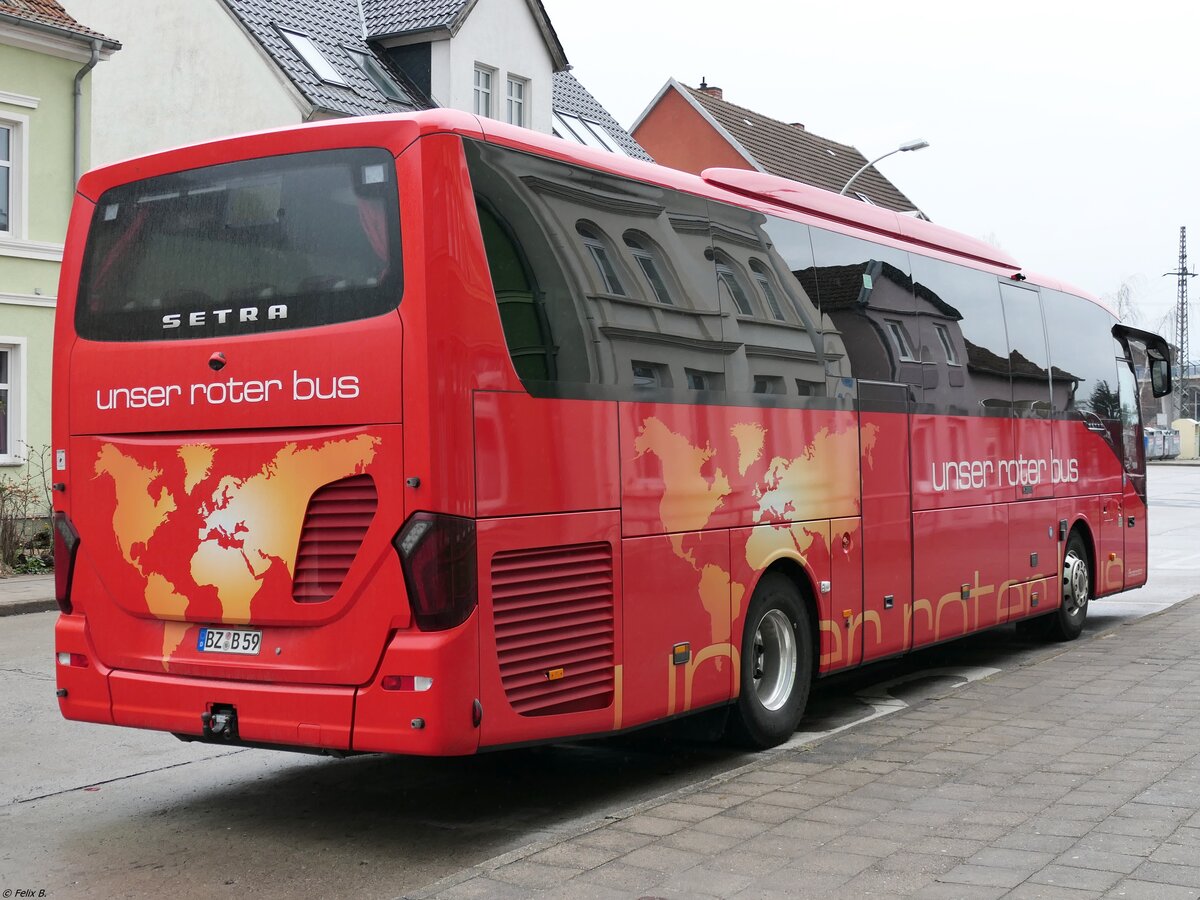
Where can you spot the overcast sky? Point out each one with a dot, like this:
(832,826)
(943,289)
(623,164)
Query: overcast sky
(1066,133)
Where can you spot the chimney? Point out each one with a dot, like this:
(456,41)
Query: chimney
(711,90)
(799,126)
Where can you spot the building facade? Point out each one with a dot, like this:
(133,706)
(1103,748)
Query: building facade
(45,62)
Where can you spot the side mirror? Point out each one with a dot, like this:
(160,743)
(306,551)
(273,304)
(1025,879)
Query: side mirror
(1160,377)
(1158,354)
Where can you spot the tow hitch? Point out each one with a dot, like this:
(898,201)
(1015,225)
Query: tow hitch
(220,722)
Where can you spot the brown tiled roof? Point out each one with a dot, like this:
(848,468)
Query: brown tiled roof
(790,151)
(49,12)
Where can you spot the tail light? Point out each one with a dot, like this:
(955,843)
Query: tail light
(437,554)
(66,544)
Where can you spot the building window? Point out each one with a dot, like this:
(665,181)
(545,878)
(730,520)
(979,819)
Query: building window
(483,90)
(640,247)
(11,424)
(599,252)
(6,177)
(741,299)
(584,131)
(944,336)
(517,89)
(768,291)
(698,380)
(650,375)
(769,384)
(900,337)
(379,76)
(312,57)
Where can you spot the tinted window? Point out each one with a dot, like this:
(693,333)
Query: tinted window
(260,245)
(865,290)
(606,310)
(1084,373)
(1028,359)
(963,338)
(772,322)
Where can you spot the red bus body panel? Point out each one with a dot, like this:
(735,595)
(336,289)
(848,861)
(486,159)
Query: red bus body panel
(654,520)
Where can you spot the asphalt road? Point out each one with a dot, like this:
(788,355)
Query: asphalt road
(88,810)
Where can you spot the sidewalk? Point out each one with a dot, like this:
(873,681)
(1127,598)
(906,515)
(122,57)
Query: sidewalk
(1074,775)
(26,594)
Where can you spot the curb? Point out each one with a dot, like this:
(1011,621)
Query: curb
(579,828)
(20,607)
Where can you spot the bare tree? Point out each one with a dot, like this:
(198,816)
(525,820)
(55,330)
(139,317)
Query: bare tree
(1124,300)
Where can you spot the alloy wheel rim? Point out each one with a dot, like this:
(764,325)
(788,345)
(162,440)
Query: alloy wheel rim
(1075,583)
(775,659)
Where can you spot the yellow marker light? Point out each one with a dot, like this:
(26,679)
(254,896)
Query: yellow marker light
(555,674)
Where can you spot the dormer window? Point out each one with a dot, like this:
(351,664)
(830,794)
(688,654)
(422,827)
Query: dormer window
(584,131)
(312,57)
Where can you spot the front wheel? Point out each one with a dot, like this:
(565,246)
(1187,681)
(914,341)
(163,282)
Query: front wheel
(1067,622)
(776,665)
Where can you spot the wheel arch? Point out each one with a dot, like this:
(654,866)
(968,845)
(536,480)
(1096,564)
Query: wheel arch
(1084,530)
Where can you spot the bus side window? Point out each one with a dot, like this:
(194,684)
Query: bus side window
(1029,360)
(965,344)
(525,328)
(865,290)
(1084,371)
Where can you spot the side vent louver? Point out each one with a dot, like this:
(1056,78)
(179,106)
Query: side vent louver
(553,611)
(335,523)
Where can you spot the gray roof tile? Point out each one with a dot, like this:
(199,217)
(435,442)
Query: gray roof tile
(572,97)
(791,151)
(384,17)
(334,26)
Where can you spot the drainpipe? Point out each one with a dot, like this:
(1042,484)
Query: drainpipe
(78,137)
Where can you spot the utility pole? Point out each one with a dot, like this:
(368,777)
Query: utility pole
(1181,315)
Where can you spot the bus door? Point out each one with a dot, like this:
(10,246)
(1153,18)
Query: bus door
(885,416)
(1033,515)
(1136,345)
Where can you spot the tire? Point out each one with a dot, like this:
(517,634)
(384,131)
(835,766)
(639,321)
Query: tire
(1067,621)
(776,665)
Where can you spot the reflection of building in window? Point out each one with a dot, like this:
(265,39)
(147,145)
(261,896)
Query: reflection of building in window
(770,384)
(947,346)
(698,380)
(764,283)
(741,299)
(650,375)
(640,247)
(599,253)
(900,336)
(6,178)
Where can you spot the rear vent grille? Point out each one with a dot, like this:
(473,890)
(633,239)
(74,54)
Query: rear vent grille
(337,519)
(553,611)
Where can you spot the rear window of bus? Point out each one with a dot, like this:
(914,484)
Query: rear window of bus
(258,245)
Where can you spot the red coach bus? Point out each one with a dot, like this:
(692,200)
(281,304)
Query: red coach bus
(426,435)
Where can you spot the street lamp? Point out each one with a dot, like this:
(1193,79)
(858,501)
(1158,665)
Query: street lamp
(903,148)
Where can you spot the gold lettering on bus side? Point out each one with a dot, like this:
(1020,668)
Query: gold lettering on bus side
(715,652)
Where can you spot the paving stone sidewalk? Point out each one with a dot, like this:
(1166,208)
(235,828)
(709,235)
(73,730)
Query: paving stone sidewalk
(26,593)
(1074,775)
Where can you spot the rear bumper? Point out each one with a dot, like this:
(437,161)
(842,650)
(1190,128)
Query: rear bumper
(439,721)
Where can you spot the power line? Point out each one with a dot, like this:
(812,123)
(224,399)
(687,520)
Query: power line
(1181,304)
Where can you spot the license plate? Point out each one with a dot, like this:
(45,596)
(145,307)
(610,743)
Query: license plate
(229,640)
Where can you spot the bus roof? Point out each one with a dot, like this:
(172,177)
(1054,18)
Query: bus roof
(397,131)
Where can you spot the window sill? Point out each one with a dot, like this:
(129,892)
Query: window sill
(775,323)
(12,246)
(11,462)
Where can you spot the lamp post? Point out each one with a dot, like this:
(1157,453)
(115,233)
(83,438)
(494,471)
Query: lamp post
(903,148)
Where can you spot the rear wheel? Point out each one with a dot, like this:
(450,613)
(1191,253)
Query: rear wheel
(776,665)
